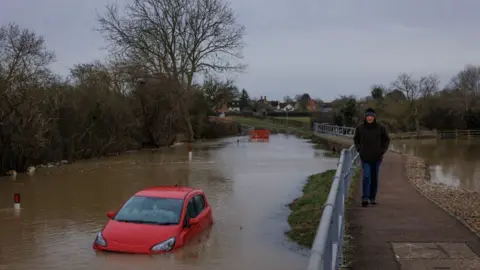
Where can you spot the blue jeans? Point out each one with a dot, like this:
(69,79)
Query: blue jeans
(370,180)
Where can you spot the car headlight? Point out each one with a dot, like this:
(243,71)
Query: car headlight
(165,245)
(99,240)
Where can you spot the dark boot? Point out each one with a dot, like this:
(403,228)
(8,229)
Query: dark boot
(364,203)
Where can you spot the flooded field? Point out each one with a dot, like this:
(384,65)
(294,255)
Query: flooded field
(247,184)
(452,162)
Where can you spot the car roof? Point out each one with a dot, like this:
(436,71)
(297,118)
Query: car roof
(173,192)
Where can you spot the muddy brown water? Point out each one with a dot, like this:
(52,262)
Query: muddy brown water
(247,184)
(452,162)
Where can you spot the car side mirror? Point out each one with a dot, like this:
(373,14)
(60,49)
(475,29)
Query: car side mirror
(110,215)
(193,221)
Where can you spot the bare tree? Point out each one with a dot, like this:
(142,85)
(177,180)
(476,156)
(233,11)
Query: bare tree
(25,121)
(467,83)
(428,85)
(217,92)
(22,55)
(407,85)
(413,90)
(176,37)
(23,61)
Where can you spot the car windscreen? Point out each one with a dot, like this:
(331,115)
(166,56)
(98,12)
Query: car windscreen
(151,210)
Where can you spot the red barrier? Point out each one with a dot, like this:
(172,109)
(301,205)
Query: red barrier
(16,198)
(260,135)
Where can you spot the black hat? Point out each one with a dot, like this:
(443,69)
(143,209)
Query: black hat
(370,111)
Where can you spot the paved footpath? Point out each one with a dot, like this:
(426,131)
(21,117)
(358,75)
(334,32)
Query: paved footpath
(406,230)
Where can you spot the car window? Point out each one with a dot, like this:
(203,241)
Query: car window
(199,203)
(192,209)
(143,209)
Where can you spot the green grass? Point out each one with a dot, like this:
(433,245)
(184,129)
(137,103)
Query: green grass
(348,247)
(307,210)
(332,154)
(301,119)
(254,122)
(275,128)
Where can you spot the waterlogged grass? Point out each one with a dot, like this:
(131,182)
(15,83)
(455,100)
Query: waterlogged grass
(301,119)
(254,122)
(274,128)
(307,210)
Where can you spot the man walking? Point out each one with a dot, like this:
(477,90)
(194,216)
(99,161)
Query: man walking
(371,141)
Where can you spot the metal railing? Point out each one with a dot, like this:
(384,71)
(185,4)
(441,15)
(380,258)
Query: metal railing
(333,130)
(327,248)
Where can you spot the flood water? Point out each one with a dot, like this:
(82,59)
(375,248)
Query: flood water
(452,162)
(247,184)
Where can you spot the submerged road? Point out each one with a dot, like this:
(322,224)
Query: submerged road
(247,184)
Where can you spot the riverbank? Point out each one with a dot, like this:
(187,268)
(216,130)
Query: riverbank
(307,211)
(462,204)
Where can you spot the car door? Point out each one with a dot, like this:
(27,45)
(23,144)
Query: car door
(200,206)
(190,230)
(202,211)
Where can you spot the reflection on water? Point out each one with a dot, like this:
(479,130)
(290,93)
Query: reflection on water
(247,184)
(452,162)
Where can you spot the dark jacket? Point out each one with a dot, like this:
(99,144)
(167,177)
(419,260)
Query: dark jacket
(371,141)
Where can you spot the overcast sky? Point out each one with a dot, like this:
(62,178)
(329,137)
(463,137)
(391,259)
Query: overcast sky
(325,48)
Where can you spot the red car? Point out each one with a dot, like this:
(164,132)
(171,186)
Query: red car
(156,220)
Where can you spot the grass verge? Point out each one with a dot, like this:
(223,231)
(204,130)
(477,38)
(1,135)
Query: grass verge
(348,246)
(303,133)
(299,118)
(255,122)
(307,210)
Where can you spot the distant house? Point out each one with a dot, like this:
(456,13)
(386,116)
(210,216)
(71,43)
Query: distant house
(233,106)
(262,106)
(289,107)
(263,100)
(222,109)
(285,107)
(311,105)
(280,106)
(274,105)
